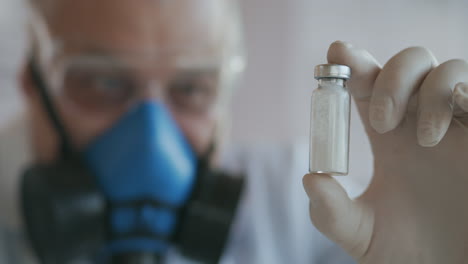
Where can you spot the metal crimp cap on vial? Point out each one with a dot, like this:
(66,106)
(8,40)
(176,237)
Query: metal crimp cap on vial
(332,71)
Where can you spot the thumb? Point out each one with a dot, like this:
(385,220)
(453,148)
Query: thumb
(346,222)
(364,72)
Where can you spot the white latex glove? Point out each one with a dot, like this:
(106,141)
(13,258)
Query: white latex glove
(416,207)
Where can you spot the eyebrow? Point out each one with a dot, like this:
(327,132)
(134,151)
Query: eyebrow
(100,55)
(84,48)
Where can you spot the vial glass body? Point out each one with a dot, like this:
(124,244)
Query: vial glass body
(329,128)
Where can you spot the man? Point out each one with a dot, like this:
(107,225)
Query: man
(124,85)
(107,64)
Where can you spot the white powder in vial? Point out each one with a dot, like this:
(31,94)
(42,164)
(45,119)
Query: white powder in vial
(329,129)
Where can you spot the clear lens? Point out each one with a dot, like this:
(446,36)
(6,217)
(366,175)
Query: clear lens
(96,88)
(194,91)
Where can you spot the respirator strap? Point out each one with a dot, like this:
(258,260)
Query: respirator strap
(66,148)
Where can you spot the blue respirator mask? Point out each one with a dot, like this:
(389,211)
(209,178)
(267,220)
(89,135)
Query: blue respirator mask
(131,195)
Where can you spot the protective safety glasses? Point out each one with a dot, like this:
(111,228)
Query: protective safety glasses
(100,83)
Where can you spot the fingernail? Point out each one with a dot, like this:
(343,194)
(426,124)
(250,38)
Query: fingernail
(314,200)
(344,43)
(305,183)
(380,113)
(429,129)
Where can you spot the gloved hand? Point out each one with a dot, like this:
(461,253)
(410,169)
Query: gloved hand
(415,209)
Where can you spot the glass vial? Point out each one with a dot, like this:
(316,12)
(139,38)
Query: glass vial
(329,124)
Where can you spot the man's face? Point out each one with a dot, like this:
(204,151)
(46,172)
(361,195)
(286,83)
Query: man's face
(114,54)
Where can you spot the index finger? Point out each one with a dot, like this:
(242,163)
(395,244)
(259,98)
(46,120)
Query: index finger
(364,72)
(364,67)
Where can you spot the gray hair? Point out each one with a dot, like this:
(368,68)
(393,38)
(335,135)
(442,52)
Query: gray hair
(43,7)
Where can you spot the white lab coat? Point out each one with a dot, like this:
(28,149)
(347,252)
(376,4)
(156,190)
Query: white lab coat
(272,225)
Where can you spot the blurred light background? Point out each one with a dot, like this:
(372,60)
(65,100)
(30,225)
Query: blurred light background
(285,40)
